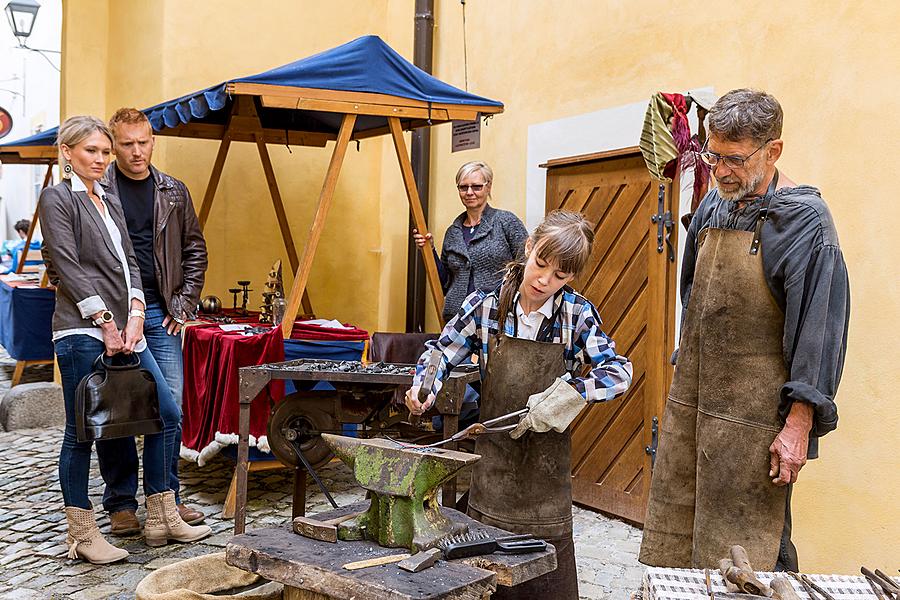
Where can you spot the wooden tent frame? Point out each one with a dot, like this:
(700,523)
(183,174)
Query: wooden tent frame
(30,155)
(243,125)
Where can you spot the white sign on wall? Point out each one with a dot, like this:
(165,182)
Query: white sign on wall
(466,135)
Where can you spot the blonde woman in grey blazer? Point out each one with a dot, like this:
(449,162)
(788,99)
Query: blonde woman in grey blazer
(100,309)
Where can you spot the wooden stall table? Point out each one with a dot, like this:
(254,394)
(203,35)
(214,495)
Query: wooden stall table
(348,385)
(26,314)
(313,570)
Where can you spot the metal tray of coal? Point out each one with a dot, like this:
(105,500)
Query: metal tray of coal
(318,369)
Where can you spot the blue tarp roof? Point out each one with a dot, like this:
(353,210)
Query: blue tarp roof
(42,138)
(366,64)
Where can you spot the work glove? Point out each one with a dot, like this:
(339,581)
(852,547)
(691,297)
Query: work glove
(554,408)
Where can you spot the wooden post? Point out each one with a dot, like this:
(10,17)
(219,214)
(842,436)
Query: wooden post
(415,206)
(276,201)
(48,177)
(214,177)
(315,231)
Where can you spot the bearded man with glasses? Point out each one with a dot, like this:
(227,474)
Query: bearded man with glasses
(766,303)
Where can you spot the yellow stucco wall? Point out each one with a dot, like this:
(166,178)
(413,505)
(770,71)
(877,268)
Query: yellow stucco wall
(834,65)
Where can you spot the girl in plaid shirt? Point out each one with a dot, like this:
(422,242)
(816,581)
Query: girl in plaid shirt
(537,304)
(524,485)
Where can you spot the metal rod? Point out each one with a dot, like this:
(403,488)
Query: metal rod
(312,472)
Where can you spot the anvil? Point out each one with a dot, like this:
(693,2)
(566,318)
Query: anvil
(402,482)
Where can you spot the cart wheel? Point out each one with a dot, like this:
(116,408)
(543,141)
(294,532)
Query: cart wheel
(291,416)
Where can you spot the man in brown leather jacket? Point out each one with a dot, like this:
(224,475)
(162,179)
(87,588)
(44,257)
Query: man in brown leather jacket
(171,255)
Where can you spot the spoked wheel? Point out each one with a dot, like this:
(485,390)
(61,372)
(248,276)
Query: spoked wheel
(294,418)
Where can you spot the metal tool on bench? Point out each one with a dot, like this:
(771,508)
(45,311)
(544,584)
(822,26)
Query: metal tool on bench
(478,544)
(324,531)
(403,484)
(881,580)
(813,591)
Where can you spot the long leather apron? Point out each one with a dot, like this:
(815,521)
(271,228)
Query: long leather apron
(710,487)
(524,485)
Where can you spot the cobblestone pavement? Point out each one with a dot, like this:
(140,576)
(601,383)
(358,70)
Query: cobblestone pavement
(33,563)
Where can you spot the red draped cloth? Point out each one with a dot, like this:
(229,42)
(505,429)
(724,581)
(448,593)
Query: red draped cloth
(210,402)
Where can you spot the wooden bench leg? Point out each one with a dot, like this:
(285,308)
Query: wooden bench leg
(230,506)
(17,374)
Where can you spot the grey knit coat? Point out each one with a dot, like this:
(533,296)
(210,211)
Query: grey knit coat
(499,239)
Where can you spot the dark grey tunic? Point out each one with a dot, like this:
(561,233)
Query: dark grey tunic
(806,274)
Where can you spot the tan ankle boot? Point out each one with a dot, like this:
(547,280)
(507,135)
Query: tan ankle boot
(164,523)
(85,540)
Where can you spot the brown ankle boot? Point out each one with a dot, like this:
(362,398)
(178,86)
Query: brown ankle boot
(85,540)
(164,523)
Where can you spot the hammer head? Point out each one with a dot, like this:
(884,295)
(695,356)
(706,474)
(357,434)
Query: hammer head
(318,530)
(384,467)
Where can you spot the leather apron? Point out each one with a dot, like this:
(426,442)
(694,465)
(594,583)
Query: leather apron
(711,487)
(524,485)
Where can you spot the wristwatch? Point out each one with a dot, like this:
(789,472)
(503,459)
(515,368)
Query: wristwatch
(105,317)
(136,312)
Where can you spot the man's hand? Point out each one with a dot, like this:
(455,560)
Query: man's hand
(788,451)
(412,401)
(172,326)
(132,334)
(112,338)
(554,408)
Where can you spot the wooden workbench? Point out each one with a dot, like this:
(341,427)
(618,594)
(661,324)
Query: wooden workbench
(313,570)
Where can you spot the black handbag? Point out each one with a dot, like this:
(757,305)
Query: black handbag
(116,401)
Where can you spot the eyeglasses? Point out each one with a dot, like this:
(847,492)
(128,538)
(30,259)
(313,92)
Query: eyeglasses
(475,188)
(732,162)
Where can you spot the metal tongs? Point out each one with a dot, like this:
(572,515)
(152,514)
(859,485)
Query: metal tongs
(476,429)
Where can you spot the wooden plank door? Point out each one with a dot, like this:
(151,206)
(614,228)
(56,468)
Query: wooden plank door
(633,286)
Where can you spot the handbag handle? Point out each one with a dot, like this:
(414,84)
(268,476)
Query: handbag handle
(101,363)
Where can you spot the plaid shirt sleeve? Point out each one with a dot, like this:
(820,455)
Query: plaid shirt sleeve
(458,341)
(611,373)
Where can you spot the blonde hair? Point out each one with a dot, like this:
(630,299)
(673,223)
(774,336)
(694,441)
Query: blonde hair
(565,238)
(475,166)
(75,130)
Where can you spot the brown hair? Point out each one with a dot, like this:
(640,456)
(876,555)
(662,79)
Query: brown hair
(128,116)
(563,237)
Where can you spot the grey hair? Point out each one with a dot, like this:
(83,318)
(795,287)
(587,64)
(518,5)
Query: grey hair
(746,114)
(75,130)
(476,165)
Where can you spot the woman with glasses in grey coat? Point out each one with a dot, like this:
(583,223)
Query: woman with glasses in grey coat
(479,243)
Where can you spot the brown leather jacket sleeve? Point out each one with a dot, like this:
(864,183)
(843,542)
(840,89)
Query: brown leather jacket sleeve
(193,259)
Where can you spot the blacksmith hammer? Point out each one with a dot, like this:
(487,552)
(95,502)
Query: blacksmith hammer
(434,360)
(324,531)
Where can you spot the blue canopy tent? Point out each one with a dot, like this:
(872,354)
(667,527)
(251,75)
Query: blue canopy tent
(358,90)
(36,149)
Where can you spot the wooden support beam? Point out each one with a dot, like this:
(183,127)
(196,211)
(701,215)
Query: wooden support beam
(415,207)
(278,204)
(214,176)
(315,231)
(48,177)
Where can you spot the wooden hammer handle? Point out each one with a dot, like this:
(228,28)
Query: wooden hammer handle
(784,589)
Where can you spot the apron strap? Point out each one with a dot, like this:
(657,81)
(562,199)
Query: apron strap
(763,214)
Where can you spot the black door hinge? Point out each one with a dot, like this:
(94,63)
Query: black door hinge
(664,223)
(654,440)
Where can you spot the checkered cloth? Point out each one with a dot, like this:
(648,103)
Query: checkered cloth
(690,584)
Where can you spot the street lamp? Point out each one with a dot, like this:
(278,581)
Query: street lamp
(21,15)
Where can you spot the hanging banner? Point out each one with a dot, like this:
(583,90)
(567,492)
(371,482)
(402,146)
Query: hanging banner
(466,135)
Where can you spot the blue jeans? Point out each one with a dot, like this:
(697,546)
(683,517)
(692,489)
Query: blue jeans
(118,458)
(76,355)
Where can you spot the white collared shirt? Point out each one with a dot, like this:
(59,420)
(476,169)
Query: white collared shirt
(530,324)
(116,236)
